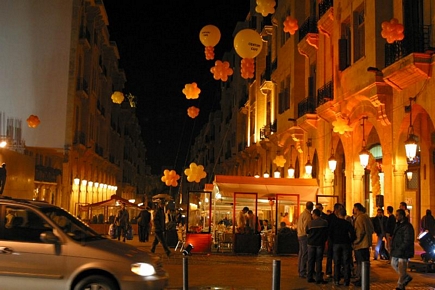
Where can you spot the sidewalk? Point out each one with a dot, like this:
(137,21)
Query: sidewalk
(255,272)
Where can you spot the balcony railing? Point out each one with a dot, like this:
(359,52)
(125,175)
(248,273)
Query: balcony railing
(309,26)
(324,5)
(418,42)
(307,106)
(325,93)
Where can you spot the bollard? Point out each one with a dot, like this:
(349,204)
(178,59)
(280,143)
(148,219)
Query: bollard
(276,275)
(185,274)
(365,275)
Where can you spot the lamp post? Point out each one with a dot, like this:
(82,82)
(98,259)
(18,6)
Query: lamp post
(308,165)
(364,153)
(411,143)
(291,169)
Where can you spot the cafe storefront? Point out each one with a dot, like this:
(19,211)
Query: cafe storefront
(212,213)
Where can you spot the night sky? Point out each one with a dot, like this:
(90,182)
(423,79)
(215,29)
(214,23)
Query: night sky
(160,52)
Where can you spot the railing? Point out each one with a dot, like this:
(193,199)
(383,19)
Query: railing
(325,93)
(324,6)
(418,42)
(307,106)
(309,26)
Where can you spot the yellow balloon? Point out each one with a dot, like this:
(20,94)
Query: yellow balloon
(209,35)
(248,43)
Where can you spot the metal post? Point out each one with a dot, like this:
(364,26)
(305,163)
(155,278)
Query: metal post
(185,274)
(365,275)
(276,275)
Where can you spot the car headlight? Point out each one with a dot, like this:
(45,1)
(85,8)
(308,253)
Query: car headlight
(143,269)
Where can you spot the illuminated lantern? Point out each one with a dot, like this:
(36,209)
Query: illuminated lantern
(392,30)
(193,112)
(117,97)
(247,68)
(191,91)
(279,161)
(33,121)
(248,43)
(291,25)
(265,7)
(209,37)
(170,177)
(221,70)
(195,173)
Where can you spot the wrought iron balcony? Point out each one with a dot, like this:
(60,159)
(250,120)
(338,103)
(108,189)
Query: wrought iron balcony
(268,130)
(324,6)
(309,26)
(325,93)
(307,106)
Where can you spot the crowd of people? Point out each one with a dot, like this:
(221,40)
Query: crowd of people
(347,238)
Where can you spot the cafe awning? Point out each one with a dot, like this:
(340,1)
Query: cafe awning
(266,187)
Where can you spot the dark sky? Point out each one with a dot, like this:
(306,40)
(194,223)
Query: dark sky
(160,51)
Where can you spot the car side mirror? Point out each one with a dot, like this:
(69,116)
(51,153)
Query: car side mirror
(49,238)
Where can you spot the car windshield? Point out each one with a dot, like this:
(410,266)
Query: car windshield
(72,226)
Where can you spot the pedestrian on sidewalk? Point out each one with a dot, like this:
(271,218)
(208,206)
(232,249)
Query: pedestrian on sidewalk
(143,222)
(402,248)
(364,231)
(428,223)
(317,234)
(303,220)
(159,228)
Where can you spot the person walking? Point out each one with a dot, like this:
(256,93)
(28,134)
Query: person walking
(317,234)
(380,227)
(122,222)
(143,222)
(363,231)
(391,224)
(342,235)
(331,218)
(303,220)
(159,228)
(402,248)
(3,174)
(428,223)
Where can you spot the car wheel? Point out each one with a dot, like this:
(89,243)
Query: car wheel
(96,282)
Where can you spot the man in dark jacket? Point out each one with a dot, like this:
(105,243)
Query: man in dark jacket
(331,218)
(380,227)
(342,235)
(402,248)
(122,222)
(143,222)
(317,233)
(391,224)
(159,228)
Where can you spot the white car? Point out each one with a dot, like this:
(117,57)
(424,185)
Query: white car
(44,247)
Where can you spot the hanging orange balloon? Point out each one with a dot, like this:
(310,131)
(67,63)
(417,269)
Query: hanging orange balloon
(33,121)
(195,173)
(247,68)
(291,25)
(191,91)
(392,30)
(248,43)
(117,97)
(221,70)
(265,7)
(193,112)
(170,177)
(209,37)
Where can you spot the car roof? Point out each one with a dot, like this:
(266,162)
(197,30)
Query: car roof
(34,203)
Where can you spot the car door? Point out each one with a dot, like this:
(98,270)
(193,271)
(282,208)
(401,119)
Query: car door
(25,261)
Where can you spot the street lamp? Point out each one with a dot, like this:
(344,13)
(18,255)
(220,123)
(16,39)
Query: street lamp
(364,153)
(308,165)
(332,162)
(291,169)
(411,143)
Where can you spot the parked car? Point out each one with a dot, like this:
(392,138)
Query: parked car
(43,246)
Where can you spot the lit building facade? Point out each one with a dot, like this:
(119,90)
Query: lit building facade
(332,91)
(59,64)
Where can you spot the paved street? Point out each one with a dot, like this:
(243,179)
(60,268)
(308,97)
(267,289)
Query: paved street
(247,272)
